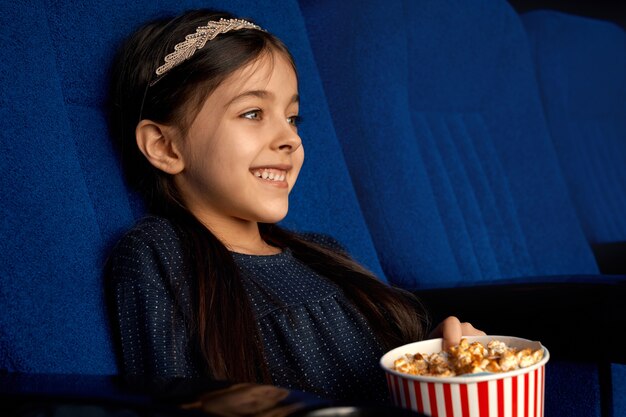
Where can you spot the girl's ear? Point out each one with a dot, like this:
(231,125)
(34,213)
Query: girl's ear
(159,145)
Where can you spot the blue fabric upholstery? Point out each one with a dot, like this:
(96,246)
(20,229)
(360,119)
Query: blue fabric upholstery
(581,69)
(618,375)
(439,114)
(478,104)
(51,246)
(436,102)
(63,199)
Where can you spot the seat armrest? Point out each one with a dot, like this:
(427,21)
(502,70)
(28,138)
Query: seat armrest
(579,321)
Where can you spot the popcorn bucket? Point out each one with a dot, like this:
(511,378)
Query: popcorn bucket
(516,393)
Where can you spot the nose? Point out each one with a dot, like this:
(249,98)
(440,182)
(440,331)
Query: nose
(286,138)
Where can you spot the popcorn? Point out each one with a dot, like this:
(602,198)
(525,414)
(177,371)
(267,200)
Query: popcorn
(466,358)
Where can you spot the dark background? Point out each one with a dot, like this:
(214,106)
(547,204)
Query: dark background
(613,10)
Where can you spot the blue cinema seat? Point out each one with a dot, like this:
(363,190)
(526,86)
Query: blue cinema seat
(439,114)
(581,69)
(436,102)
(64,203)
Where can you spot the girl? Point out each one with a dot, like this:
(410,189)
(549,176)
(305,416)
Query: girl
(205,111)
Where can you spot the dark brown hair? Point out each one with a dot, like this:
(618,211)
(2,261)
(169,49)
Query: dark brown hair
(224,327)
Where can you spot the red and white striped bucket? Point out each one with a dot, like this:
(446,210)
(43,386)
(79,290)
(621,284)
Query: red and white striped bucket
(518,393)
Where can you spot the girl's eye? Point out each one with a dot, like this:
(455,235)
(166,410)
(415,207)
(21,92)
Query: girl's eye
(294,120)
(252,115)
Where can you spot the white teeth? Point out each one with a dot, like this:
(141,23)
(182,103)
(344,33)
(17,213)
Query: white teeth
(271,175)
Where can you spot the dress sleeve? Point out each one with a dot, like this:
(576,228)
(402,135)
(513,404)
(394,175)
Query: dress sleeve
(149,303)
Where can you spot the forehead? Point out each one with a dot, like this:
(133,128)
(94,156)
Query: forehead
(271,71)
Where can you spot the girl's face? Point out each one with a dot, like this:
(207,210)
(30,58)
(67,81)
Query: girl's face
(242,153)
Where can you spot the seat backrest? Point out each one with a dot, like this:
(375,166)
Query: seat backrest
(581,70)
(438,112)
(64,203)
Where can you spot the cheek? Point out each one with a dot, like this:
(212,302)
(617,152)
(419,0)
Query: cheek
(297,160)
(218,156)
(240,148)
(205,164)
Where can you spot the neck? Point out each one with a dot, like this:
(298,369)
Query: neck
(238,235)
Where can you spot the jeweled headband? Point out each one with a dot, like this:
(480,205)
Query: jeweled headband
(194,41)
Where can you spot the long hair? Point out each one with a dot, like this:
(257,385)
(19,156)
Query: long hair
(224,329)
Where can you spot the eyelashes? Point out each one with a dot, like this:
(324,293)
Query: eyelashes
(252,115)
(295,120)
(257,114)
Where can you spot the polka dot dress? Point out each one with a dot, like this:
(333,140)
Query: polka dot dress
(314,338)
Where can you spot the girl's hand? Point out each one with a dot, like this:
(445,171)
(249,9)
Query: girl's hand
(245,400)
(451,330)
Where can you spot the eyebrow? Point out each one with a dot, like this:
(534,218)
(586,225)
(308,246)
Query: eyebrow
(263,94)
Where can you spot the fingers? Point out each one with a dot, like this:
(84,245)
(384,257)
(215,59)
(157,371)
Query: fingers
(451,332)
(452,329)
(468,330)
(241,399)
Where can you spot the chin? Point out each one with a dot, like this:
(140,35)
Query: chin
(271,219)
(273,216)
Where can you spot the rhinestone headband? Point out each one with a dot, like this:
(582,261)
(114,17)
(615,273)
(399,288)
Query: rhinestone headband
(194,41)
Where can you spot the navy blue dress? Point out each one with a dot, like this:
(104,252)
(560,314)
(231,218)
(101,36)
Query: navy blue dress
(314,339)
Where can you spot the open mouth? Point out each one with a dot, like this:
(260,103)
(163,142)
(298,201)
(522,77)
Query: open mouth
(270,174)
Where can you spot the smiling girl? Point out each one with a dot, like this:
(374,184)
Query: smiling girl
(205,112)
